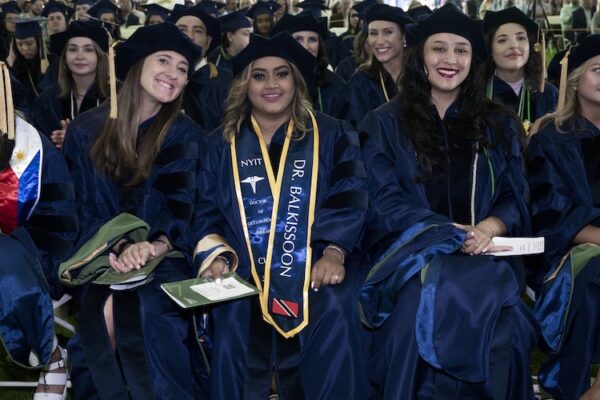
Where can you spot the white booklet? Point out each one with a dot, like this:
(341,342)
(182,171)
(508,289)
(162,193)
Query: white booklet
(520,246)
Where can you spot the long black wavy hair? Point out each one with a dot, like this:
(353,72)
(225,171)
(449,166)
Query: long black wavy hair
(475,114)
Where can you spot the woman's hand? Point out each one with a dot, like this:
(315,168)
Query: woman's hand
(218,267)
(478,241)
(58,136)
(329,270)
(135,255)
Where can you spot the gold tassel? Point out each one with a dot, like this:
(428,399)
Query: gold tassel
(112,78)
(43,57)
(214,72)
(7,117)
(542,41)
(564,71)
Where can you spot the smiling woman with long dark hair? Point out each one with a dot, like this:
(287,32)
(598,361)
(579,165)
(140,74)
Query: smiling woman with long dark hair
(445,178)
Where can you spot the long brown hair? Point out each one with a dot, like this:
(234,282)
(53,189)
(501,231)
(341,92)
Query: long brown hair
(66,83)
(116,152)
(239,106)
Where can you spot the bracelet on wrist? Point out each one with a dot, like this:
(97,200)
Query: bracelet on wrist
(167,245)
(336,249)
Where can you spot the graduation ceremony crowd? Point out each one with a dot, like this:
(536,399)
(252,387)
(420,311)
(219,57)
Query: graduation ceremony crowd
(357,180)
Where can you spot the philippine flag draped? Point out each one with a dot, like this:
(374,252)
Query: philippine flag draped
(20,182)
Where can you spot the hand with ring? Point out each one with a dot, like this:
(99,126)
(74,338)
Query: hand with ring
(329,270)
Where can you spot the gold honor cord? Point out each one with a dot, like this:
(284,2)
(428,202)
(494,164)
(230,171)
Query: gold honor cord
(385,93)
(7,112)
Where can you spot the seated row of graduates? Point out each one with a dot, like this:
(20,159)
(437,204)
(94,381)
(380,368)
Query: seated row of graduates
(280,194)
(81,80)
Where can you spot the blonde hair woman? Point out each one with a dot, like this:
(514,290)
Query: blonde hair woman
(564,176)
(283,192)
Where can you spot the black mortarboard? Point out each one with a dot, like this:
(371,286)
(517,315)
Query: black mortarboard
(315,7)
(88,29)
(448,19)
(304,21)
(150,39)
(384,12)
(26,28)
(281,45)
(105,7)
(361,7)
(82,2)
(588,48)
(494,19)
(156,9)
(56,6)
(10,7)
(263,7)
(233,21)
(212,7)
(419,12)
(213,27)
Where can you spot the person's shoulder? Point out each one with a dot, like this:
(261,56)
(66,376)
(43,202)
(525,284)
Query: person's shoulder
(50,93)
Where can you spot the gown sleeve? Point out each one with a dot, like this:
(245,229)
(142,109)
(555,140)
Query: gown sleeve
(340,217)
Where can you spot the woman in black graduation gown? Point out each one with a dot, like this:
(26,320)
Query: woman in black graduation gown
(30,62)
(327,89)
(563,161)
(142,162)
(375,82)
(236,29)
(294,232)
(514,72)
(82,81)
(446,177)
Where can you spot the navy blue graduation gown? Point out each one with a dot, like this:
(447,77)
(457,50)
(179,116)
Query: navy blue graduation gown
(205,97)
(563,172)
(346,68)
(165,201)
(365,93)
(32,84)
(49,109)
(326,359)
(434,337)
(541,103)
(221,59)
(31,251)
(330,99)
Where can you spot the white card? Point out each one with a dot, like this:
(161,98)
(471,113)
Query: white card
(229,288)
(520,246)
